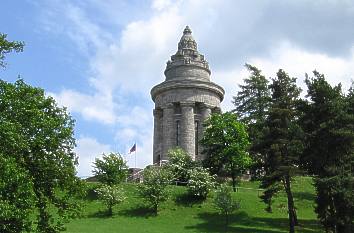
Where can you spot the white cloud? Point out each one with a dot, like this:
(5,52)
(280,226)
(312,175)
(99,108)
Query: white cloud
(87,150)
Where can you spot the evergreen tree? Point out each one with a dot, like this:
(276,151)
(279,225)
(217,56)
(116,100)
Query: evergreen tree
(282,142)
(328,121)
(252,103)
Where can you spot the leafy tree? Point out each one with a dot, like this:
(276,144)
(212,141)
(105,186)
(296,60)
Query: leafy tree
(38,135)
(252,103)
(328,121)
(111,196)
(154,186)
(111,169)
(7,47)
(200,183)
(225,144)
(282,142)
(224,202)
(180,164)
(16,197)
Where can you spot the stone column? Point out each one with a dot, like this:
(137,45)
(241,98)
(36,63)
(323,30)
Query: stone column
(205,114)
(167,130)
(157,135)
(187,129)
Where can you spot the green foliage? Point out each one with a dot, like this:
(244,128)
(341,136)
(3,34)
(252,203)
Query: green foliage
(180,164)
(200,182)
(38,135)
(16,197)
(328,120)
(282,142)
(110,196)
(111,169)
(7,47)
(225,144)
(154,186)
(252,105)
(224,202)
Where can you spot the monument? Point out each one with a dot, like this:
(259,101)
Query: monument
(184,101)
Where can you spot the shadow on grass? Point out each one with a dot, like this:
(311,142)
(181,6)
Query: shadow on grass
(304,196)
(187,200)
(242,222)
(100,214)
(138,211)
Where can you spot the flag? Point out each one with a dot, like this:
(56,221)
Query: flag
(133,149)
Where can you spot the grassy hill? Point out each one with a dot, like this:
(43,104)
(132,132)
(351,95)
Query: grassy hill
(178,214)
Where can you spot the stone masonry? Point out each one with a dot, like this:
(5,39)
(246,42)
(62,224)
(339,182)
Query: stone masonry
(183,101)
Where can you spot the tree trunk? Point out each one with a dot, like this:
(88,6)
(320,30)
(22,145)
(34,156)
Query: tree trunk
(291,208)
(233,182)
(110,211)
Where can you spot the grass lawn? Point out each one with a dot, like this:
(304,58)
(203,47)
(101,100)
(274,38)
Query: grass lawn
(179,215)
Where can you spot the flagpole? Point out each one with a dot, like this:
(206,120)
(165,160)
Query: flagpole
(135,154)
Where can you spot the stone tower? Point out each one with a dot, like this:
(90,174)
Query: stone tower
(183,101)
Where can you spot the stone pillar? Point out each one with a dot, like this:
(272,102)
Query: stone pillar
(187,129)
(205,114)
(167,130)
(157,135)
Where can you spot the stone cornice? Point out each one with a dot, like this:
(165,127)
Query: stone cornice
(177,84)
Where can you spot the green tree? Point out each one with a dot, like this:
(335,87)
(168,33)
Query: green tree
(7,47)
(16,197)
(154,186)
(200,182)
(224,202)
(180,164)
(111,169)
(111,196)
(38,135)
(225,144)
(252,103)
(282,143)
(328,121)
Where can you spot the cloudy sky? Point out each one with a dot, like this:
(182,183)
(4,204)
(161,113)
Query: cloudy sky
(101,58)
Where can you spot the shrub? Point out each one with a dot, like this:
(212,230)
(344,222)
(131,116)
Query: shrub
(200,182)
(110,196)
(179,163)
(154,186)
(224,202)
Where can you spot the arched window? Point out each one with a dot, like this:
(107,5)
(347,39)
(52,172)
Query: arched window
(196,129)
(177,133)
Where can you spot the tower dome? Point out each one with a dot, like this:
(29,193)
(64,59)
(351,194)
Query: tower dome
(184,101)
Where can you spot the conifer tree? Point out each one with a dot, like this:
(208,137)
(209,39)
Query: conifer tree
(328,121)
(281,143)
(252,103)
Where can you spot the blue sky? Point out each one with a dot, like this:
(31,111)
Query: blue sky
(101,58)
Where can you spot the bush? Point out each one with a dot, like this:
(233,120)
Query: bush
(179,163)
(154,186)
(110,196)
(200,182)
(224,203)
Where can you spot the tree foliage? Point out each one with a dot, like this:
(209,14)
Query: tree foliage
(282,142)
(16,197)
(328,120)
(38,135)
(154,186)
(224,202)
(7,47)
(225,144)
(251,105)
(111,169)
